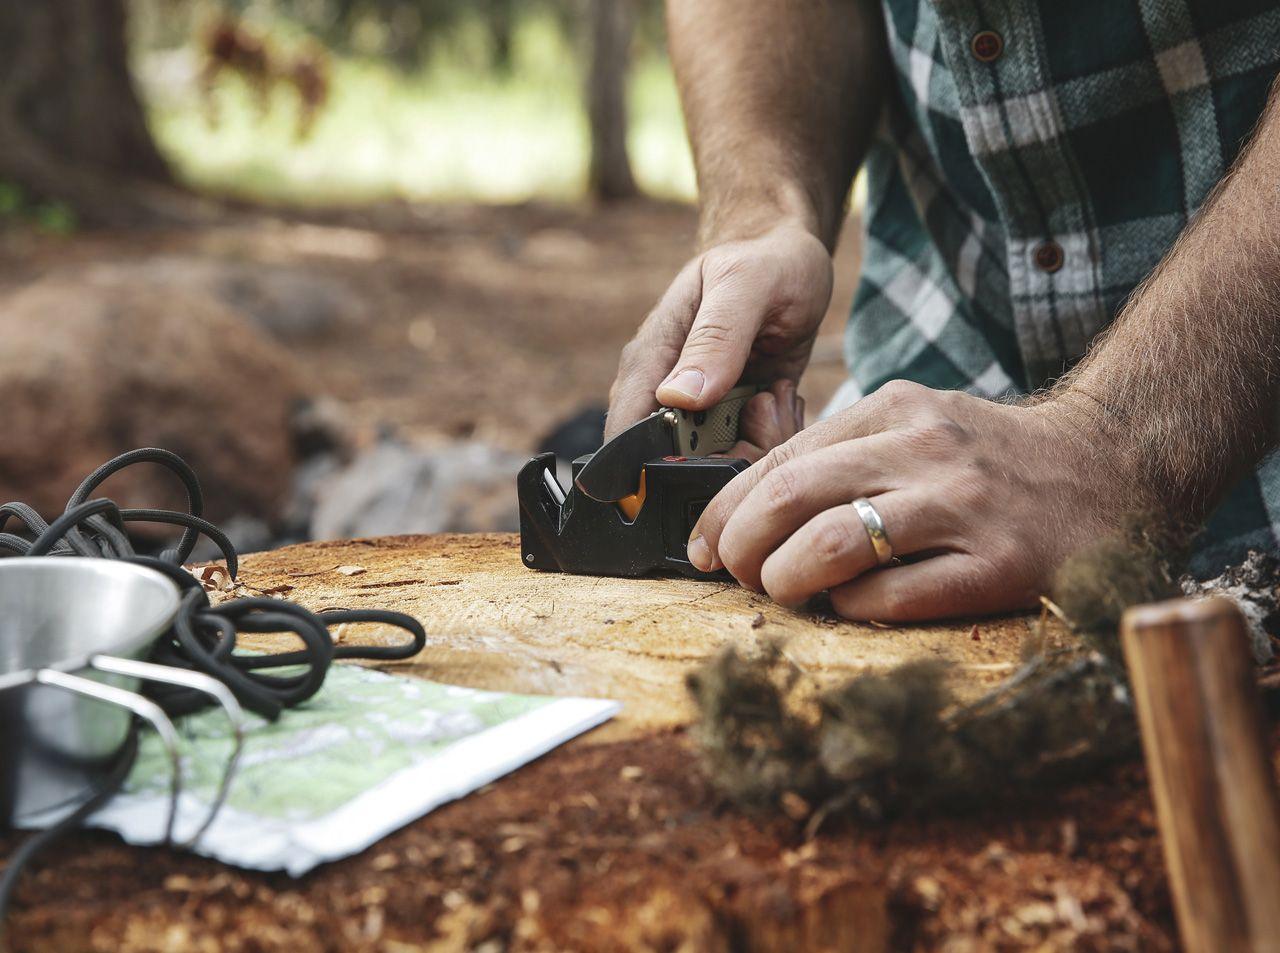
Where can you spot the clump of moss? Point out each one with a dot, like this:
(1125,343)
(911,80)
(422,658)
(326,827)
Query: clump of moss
(755,738)
(881,734)
(1142,562)
(899,742)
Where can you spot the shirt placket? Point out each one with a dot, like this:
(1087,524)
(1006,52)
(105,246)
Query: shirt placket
(1014,129)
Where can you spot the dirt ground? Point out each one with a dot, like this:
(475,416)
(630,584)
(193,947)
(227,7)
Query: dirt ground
(620,846)
(485,321)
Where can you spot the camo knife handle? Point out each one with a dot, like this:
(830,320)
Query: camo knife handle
(700,433)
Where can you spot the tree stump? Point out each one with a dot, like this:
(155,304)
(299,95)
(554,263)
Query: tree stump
(492,623)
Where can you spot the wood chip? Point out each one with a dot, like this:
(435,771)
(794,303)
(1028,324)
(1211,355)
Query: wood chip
(351,570)
(794,806)
(213,578)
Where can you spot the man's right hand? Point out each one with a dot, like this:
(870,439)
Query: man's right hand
(746,309)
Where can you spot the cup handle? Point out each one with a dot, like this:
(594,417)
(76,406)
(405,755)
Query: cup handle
(198,681)
(143,708)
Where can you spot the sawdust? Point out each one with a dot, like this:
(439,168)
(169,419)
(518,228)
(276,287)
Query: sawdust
(566,856)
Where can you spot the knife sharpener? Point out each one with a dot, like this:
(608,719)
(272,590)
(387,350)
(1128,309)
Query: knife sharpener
(570,532)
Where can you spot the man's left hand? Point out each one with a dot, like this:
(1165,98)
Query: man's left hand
(981,501)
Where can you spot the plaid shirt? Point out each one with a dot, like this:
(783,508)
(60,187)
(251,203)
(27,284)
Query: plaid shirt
(1035,162)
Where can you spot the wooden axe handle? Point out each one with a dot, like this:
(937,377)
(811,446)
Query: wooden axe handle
(1207,755)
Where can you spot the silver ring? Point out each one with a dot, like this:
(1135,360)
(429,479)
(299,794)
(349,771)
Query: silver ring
(875,530)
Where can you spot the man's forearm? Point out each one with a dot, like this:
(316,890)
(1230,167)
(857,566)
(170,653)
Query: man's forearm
(780,97)
(1187,380)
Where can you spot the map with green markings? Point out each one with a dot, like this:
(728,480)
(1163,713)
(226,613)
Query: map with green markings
(368,754)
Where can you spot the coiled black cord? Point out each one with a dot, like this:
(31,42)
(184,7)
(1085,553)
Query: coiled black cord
(202,637)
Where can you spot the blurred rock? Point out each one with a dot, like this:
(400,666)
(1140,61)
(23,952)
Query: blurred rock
(289,302)
(247,535)
(104,360)
(576,435)
(321,428)
(396,488)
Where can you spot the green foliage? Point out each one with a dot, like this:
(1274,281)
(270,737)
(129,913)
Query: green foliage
(453,129)
(11,199)
(18,209)
(406,33)
(54,218)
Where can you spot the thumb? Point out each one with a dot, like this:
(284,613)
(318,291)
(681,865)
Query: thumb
(716,348)
(649,356)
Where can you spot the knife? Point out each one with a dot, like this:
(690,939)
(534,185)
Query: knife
(613,471)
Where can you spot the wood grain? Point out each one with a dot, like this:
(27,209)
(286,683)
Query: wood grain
(495,624)
(1211,776)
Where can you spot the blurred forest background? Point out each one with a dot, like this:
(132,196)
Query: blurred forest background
(356,259)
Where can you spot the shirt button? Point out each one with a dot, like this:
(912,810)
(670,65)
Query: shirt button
(987,45)
(1048,256)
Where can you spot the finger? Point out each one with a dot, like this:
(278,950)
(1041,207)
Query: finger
(649,357)
(871,415)
(799,413)
(953,584)
(719,341)
(834,547)
(794,493)
(839,476)
(767,421)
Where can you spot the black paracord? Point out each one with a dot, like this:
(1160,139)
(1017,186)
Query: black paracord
(202,637)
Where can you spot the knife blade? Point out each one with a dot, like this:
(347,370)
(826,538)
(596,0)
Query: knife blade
(614,470)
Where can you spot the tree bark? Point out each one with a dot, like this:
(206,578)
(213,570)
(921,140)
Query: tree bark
(611,24)
(502,24)
(71,126)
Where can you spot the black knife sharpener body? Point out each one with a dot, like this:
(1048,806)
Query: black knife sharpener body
(586,536)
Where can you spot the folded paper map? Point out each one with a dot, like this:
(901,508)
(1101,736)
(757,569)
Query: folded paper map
(368,754)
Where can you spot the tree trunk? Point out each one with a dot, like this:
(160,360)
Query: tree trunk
(71,126)
(502,25)
(611,26)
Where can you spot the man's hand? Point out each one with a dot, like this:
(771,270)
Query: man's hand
(980,500)
(744,308)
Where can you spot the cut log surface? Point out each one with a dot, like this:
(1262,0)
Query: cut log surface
(494,624)
(617,841)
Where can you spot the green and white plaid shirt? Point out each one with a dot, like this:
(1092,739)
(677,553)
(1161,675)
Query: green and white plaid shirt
(1035,162)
